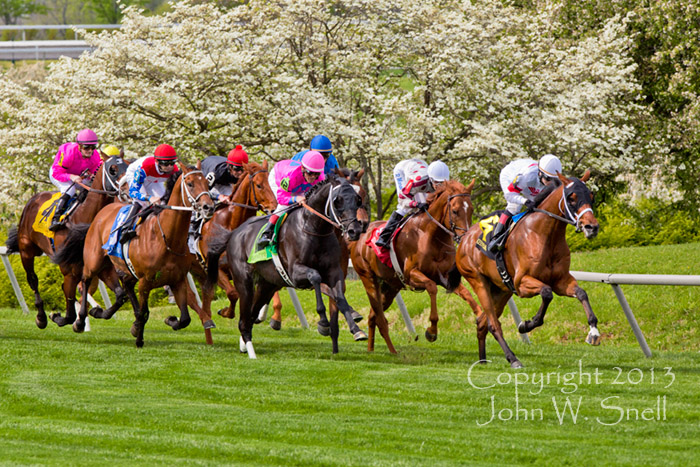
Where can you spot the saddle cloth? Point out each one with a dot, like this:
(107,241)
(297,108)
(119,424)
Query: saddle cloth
(257,255)
(113,247)
(487,224)
(44,216)
(383,253)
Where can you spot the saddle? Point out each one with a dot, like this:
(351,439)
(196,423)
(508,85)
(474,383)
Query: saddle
(44,215)
(257,255)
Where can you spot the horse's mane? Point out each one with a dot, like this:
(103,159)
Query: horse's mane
(542,195)
(448,184)
(170,184)
(316,188)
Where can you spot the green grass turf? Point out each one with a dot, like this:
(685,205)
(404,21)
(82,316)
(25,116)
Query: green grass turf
(95,399)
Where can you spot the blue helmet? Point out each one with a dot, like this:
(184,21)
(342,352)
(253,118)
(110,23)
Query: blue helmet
(321,143)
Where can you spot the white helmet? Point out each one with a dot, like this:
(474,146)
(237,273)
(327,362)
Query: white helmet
(550,165)
(438,171)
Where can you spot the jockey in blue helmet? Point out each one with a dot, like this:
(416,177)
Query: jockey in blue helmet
(323,145)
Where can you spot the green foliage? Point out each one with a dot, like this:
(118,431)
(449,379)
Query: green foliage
(110,11)
(648,222)
(12,10)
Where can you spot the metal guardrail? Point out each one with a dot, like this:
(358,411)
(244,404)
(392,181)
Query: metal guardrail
(46,49)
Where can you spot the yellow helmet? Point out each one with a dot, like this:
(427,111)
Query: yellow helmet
(111,150)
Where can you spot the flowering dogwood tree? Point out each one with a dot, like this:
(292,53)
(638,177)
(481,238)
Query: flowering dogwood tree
(475,85)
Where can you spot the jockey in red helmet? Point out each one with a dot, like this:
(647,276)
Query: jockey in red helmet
(223,173)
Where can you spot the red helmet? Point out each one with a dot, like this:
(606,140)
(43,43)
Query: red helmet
(237,156)
(165,152)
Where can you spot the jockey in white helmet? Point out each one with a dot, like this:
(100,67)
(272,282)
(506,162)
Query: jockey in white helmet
(521,181)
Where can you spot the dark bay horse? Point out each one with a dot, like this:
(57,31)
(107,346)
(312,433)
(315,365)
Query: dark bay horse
(158,255)
(31,243)
(309,253)
(537,258)
(251,193)
(354,177)
(426,250)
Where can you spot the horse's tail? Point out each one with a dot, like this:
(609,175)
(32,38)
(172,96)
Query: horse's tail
(454,278)
(12,241)
(216,247)
(71,252)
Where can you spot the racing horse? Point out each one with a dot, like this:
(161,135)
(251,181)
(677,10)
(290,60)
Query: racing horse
(31,243)
(251,193)
(425,250)
(308,249)
(537,258)
(354,177)
(158,256)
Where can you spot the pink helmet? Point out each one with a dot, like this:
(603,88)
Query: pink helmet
(86,136)
(313,161)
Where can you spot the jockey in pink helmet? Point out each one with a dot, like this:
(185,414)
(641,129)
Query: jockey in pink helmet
(289,181)
(73,162)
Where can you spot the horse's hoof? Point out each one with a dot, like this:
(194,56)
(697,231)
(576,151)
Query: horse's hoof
(94,312)
(241,345)
(209,324)
(54,316)
(139,343)
(79,326)
(276,325)
(356,317)
(593,339)
(360,335)
(324,330)
(225,313)
(522,329)
(134,330)
(41,323)
(172,322)
(430,336)
(516,364)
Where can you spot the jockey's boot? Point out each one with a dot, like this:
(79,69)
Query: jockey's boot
(266,237)
(498,239)
(389,229)
(60,208)
(129,233)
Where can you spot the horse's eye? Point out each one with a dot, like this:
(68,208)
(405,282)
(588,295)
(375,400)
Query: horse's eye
(190,185)
(258,186)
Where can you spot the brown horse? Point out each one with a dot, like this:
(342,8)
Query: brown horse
(537,258)
(355,179)
(31,243)
(251,193)
(425,248)
(158,255)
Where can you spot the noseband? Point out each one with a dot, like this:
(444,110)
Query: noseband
(330,211)
(193,200)
(575,217)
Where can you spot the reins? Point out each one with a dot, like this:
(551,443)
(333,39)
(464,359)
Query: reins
(573,219)
(452,233)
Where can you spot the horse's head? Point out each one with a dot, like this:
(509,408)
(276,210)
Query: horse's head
(261,194)
(354,177)
(194,191)
(577,204)
(113,170)
(339,202)
(451,204)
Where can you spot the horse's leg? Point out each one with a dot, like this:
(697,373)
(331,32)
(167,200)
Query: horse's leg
(529,286)
(276,318)
(344,263)
(494,327)
(143,312)
(180,292)
(418,279)
(464,293)
(482,287)
(33,281)
(225,283)
(569,287)
(70,282)
(111,279)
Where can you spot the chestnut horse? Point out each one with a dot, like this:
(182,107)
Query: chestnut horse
(425,248)
(30,243)
(354,177)
(537,258)
(309,253)
(251,193)
(158,255)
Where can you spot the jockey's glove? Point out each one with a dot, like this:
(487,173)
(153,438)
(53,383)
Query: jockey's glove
(530,205)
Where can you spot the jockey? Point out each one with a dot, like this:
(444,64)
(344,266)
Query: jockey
(412,186)
(146,178)
(223,173)
(110,151)
(438,173)
(289,181)
(521,181)
(323,145)
(72,162)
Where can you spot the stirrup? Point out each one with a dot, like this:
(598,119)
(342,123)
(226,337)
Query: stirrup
(56,226)
(126,236)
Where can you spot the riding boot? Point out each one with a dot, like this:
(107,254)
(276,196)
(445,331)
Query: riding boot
(56,222)
(389,229)
(266,237)
(498,239)
(130,232)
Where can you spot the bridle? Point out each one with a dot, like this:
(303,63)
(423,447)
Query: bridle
(452,231)
(571,217)
(331,215)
